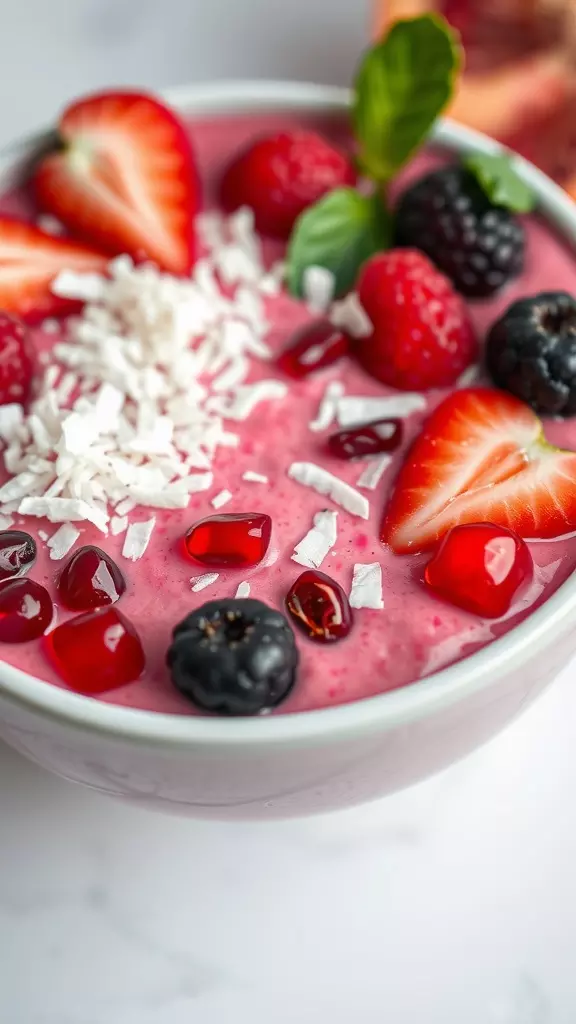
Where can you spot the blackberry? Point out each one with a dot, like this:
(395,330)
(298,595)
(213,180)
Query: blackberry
(234,657)
(531,352)
(447,215)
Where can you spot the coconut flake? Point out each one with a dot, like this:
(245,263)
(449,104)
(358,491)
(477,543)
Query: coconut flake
(310,475)
(254,478)
(61,510)
(137,539)
(61,542)
(118,524)
(201,582)
(318,285)
(366,589)
(356,409)
(470,376)
(85,287)
(328,406)
(5,522)
(372,474)
(243,589)
(49,326)
(315,545)
(11,419)
(247,397)
(221,499)
(349,314)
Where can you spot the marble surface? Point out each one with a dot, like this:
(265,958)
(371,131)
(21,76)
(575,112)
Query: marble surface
(450,903)
(447,904)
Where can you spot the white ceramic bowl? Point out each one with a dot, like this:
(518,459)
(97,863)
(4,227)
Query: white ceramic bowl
(313,761)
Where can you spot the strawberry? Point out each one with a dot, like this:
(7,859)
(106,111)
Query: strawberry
(30,259)
(15,365)
(423,337)
(125,179)
(279,176)
(481,457)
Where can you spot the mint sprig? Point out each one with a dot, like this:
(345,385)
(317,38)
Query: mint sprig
(401,87)
(501,183)
(339,233)
(403,83)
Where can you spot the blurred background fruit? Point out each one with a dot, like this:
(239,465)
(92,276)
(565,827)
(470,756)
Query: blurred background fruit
(519,84)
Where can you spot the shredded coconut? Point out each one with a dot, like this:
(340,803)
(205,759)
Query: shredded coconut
(470,376)
(62,541)
(137,539)
(349,314)
(315,545)
(51,225)
(243,589)
(355,409)
(118,524)
(131,409)
(200,582)
(254,478)
(372,474)
(366,589)
(328,406)
(5,522)
(318,285)
(221,499)
(310,475)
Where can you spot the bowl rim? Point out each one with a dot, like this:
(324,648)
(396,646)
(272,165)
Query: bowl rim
(372,715)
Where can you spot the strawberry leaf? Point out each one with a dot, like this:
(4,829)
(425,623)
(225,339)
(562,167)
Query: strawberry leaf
(401,87)
(339,233)
(501,183)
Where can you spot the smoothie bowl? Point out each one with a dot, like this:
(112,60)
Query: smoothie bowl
(275,560)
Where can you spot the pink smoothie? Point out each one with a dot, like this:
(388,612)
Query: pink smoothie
(416,633)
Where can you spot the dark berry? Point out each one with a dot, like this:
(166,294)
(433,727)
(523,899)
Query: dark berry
(531,352)
(447,215)
(234,657)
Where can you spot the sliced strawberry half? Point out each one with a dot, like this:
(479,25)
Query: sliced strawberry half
(125,179)
(481,457)
(30,259)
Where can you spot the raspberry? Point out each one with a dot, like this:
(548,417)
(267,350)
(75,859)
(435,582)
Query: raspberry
(278,176)
(422,337)
(447,215)
(15,365)
(531,352)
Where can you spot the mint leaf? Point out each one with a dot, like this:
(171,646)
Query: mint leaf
(498,179)
(339,233)
(402,85)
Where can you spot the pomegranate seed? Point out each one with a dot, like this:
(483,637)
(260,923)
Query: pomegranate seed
(90,579)
(313,347)
(231,541)
(480,567)
(96,651)
(320,607)
(17,553)
(370,439)
(26,611)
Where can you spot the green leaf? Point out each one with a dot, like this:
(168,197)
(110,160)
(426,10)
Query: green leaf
(339,233)
(500,182)
(401,87)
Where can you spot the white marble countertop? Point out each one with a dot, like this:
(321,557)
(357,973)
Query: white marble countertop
(447,904)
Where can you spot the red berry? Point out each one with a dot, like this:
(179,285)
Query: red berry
(480,568)
(17,553)
(231,541)
(97,651)
(15,365)
(312,348)
(320,607)
(423,337)
(371,439)
(25,611)
(90,579)
(278,176)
